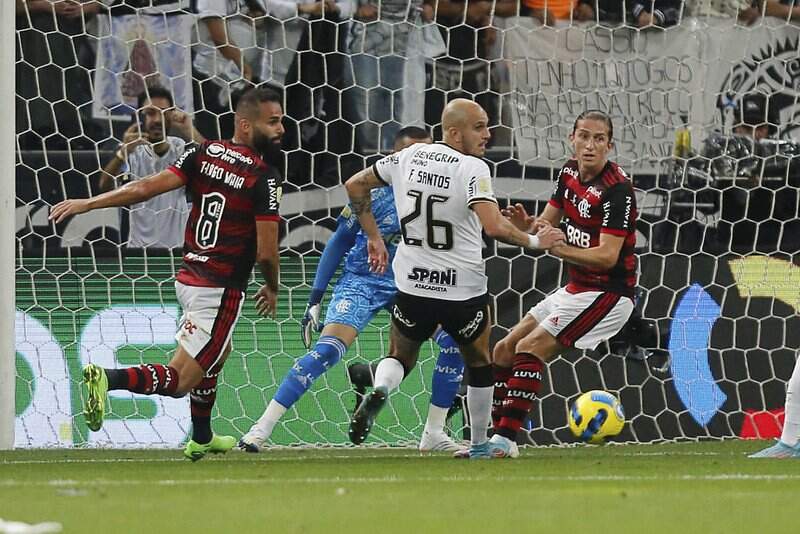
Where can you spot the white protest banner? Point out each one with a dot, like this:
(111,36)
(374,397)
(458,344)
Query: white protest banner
(650,82)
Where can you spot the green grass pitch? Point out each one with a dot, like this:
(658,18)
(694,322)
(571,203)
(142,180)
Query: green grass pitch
(687,487)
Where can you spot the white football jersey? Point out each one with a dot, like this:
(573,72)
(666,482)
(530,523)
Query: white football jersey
(434,186)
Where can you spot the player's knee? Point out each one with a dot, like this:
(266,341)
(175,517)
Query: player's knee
(184,389)
(539,343)
(187,380)
(503,354)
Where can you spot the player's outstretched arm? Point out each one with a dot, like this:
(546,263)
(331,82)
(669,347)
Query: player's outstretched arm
(518,216)
(498,227)
(130,193)
(358,189)
(268,260)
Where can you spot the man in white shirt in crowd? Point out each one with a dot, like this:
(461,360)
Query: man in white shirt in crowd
(147,149)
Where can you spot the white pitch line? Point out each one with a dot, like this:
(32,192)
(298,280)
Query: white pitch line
(266,456)
(261,457)
(13,483)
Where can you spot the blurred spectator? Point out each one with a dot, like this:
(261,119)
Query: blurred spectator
(742,10)
(752,178)
(147,149)
(603,11)
(660,13)
(465,70)
(550,11)
(305,56)
(383,77)
(641,13)
(227,57)
(54,59)
(141,43)
(787,10)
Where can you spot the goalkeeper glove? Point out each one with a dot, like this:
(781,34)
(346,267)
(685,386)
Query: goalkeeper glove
(310,323)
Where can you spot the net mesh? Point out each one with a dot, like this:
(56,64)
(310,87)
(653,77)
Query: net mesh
(716,332)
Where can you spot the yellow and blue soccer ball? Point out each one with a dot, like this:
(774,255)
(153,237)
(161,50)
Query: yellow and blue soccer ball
(595,416)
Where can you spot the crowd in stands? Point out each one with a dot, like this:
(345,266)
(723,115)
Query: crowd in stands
(352,72)
(340,62)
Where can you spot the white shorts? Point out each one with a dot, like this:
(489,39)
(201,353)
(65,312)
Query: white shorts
(209,316)
(582,320)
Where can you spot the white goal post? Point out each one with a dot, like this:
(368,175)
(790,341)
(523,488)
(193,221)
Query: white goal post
(7,239)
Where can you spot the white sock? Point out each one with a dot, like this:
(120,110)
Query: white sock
(436,419)
(791,426)
(266,423)
(389,374)
(479,404)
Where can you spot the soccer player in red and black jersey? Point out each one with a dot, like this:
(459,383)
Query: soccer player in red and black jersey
(235,193)
(595,206)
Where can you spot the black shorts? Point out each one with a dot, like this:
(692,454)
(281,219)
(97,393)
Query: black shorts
(418,317)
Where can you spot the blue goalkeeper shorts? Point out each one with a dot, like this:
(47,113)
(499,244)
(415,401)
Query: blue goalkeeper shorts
(357,299)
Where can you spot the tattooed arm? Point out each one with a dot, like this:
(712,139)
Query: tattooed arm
(358,189)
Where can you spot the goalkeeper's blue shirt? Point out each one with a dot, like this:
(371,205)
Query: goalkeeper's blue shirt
(385,213)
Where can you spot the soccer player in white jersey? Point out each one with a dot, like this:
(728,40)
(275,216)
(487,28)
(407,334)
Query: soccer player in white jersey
(788,446)
(444,196)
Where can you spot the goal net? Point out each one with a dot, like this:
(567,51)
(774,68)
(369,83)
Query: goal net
(717,327)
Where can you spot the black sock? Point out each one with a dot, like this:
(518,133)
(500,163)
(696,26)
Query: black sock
(118,378)
(201,429)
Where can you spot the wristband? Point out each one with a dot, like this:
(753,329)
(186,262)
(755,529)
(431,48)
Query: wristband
(533,241)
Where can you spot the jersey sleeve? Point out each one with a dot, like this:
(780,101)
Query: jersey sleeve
(348,220)
(479,185)
(557,198)
(186,165)
(387,168)
(619,206)
(337,246)
(211,8)
(267,203)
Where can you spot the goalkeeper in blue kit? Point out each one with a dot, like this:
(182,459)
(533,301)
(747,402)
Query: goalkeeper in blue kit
(357,297)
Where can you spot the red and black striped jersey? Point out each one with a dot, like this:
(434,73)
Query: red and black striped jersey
(230,187)
(604,204)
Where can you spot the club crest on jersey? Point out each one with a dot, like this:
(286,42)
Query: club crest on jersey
(584,208)
(343,306)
